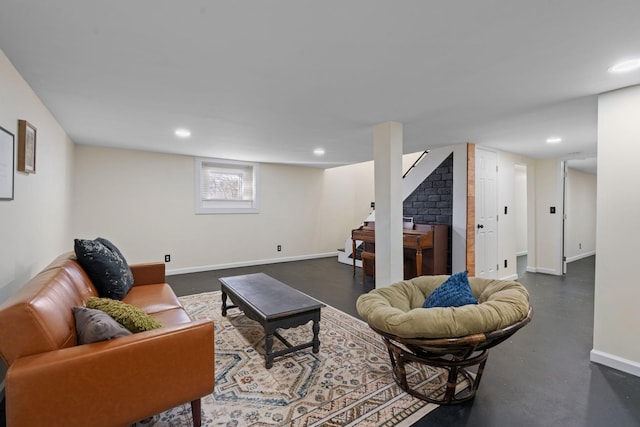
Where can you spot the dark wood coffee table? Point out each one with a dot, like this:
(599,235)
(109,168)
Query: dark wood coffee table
(275,306)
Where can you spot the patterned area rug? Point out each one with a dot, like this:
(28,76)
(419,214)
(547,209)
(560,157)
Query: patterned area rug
(349,382)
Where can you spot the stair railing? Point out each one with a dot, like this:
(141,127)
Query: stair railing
(424,153)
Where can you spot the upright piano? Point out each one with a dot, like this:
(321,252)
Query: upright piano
(425,247)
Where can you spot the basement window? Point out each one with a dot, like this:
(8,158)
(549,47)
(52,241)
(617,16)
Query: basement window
(226,186)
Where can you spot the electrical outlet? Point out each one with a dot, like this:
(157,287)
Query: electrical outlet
(579,245)
(505,263)
(279,248)
(167,258)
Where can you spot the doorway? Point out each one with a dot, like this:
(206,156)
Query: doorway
(486,213)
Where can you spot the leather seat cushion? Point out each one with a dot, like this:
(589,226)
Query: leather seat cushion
(153,298)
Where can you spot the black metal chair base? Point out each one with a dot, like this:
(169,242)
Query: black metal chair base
(455,366)
(453,354)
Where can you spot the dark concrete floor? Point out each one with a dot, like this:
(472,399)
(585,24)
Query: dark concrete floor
(540,377)
(324,278)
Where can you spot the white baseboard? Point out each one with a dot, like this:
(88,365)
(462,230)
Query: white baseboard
(522,253)
(584,255)
(510,277)
(615,362)
(247,263)
(546,271)
(532,269)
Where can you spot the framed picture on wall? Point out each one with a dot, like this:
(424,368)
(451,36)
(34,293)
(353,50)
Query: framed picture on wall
(7,154)
(26,147)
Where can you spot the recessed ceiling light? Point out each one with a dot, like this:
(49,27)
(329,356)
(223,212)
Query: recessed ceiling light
(183,133)
(625,66)
(319,151)
(554,140)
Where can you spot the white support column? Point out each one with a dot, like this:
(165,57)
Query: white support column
(387,155)
(617,233)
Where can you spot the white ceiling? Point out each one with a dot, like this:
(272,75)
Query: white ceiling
(271,80)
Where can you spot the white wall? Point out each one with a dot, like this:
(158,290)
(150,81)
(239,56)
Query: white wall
(346,199)
(506,222)
(617,293)
(146,207)
(548,226)
(532,237)
(459,216)
(35,227)
(520,209)
(528,188)
(144,202)
(347,194)
(511,226)
(516,197)
(580,210)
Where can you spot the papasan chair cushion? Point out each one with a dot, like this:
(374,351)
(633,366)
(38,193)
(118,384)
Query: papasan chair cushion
(453,338)
(398,310)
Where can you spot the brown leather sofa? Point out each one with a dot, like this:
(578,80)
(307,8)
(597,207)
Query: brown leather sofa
(53,381)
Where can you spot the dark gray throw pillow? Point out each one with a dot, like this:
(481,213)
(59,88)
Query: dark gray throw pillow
(106,268)
(116,251)
(95,325)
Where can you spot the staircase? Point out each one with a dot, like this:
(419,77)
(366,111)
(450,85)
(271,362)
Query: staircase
(420,170)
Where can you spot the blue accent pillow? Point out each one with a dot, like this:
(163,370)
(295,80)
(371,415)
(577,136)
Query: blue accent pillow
(454,292)
(105,266)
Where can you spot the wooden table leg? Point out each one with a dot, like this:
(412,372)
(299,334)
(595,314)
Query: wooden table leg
(268,348)
(224,304)
(316,332)
(353,256)
(419,262)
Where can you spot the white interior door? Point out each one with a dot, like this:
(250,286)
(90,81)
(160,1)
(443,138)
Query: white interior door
(486,214)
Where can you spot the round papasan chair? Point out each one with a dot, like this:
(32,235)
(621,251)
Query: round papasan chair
(454,338)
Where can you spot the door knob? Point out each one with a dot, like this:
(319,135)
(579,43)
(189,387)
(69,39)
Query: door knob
(480,226)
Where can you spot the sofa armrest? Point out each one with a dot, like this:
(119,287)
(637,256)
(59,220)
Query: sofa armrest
(114,382)
(148,273)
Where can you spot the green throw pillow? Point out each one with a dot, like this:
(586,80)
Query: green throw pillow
(129,316)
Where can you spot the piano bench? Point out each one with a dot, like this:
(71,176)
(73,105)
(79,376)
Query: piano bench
(366,258)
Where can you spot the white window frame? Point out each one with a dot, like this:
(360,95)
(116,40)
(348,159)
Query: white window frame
(249,202)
